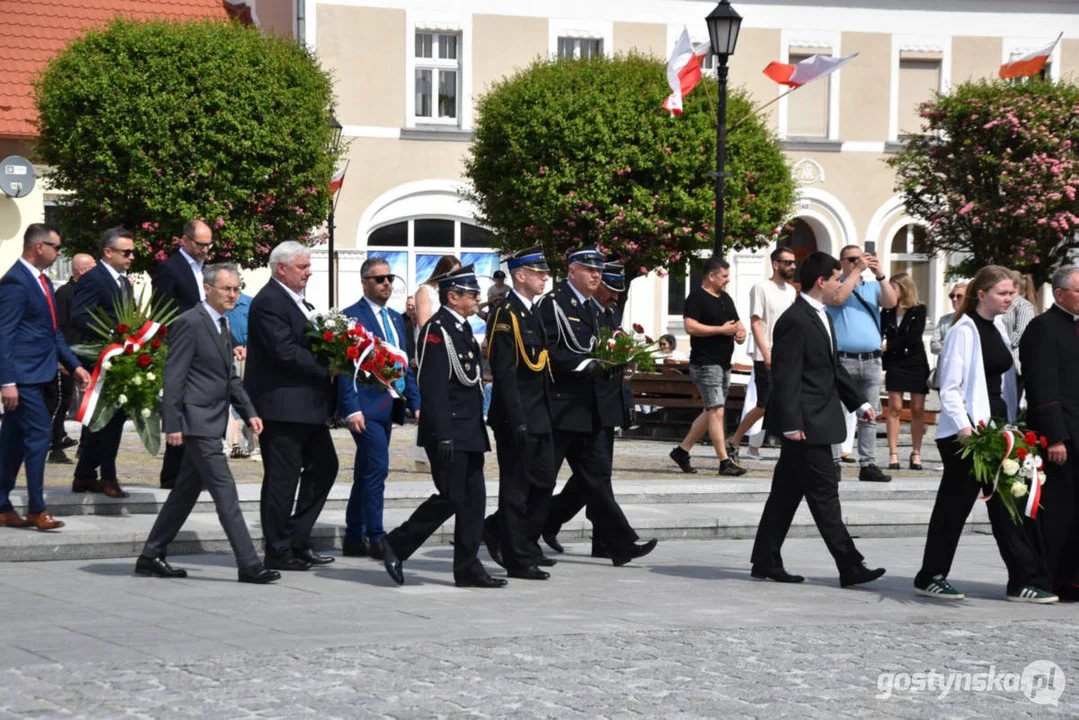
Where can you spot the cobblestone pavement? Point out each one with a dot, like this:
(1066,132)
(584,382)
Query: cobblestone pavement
(634,460)
(684,633)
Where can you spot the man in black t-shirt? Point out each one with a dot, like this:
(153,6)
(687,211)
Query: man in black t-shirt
(713,327)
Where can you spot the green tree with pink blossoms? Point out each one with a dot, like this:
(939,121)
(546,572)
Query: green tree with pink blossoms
(995,175)
(570,152)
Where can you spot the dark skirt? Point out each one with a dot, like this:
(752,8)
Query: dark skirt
(908,374)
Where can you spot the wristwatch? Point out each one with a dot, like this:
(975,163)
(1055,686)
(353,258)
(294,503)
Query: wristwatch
(880,278)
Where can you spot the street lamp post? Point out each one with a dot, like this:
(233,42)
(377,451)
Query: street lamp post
(723,26)
(335,142)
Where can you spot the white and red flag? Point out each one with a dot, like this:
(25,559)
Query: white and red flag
(1030,63)
(337,180)
(683,72)
(810,69)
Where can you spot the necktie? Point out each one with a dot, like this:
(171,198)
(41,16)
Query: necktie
(225,334)
(386,326)
(48,296)
(125,286)
(308,305)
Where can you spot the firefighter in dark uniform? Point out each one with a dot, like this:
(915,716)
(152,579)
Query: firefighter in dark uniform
(452,433)
(582,409)
(520,416)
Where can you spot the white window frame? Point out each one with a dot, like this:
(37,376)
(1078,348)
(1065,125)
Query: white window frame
(413,250)
(916,43)
(1013,47)
(459,24)
(580,29)
(825,40)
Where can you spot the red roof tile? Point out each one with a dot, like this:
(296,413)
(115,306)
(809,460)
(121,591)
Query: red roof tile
(32,31)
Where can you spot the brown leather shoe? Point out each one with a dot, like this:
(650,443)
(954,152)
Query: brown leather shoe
(113,489)
(11,519)
(43,521)
(86,484)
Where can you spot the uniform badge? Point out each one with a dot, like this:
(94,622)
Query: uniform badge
(468,367)
(432,338)
(573,302)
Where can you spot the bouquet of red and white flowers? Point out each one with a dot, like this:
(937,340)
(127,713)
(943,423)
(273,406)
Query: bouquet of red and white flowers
(352,350)
(332,338)
(617,347)
(1008,462)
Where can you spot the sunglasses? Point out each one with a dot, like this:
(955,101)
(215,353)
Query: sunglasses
(956,296)
(787,263)
(125,253)
(379,279)
(54,246)
(851,259)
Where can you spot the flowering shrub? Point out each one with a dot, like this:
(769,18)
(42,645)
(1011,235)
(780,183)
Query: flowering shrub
(996,176)
(150,124)
(571,152)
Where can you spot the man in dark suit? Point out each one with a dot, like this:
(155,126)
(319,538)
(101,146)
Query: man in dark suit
(371,412)
(59,394)
(520,416)
(806,410)
(583,408)
(292,391)
(452,434)
(31,344)
(614,391)
(1048,353)
(200,382)
(411,331)
(179,279)
(102,287)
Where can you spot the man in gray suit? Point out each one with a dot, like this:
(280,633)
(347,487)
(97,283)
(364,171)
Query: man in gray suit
(200,382)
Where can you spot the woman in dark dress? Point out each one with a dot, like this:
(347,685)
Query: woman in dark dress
(906,365)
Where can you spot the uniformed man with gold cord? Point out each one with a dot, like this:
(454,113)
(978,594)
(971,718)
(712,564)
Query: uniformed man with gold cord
(520,416)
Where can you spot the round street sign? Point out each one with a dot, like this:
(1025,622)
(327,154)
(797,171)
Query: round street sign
(17,176)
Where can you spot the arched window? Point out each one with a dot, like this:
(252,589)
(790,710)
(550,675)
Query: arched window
(799,237)
(908,255)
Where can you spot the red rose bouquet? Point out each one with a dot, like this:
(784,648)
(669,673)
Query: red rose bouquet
(381,363)
(617,347)
(1007,461)
(331,337)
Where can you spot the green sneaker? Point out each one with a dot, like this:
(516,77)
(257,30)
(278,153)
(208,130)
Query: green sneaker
(939,589)
(1031,594)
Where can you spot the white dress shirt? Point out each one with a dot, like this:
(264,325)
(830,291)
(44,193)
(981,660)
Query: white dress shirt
(196,269)
(214,315)
(115,275)
(36,273)
(524,301)
(296,298)
(377,309)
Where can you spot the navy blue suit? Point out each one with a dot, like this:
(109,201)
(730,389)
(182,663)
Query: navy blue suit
(98,288)
(363,518)
(31,345)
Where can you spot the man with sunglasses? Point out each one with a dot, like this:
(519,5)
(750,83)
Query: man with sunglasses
(101,288)
(856,317)
(31,344)
(179,279)
(371,413)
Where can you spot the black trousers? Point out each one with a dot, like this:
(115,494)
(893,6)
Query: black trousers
(99,450)
(462,496)
(299,468)
(58,396)
(808,471)
(1056,532)
(955,498)
(526,480)
(171,464)
(589,457)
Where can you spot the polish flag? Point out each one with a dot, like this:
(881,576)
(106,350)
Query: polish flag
(683,72)
(1029,64)
(806,71)
(337,180)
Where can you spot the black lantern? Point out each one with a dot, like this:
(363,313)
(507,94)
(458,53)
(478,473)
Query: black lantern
(331,270)
(723,26)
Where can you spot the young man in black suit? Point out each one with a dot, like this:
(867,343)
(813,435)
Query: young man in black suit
(292,391)
(1048,353)
(59,395)
(806,410)
(99,288)
(179,279)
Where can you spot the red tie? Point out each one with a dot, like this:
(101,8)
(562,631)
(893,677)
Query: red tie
(48,296)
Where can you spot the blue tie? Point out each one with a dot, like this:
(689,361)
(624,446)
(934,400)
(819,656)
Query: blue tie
(386,326)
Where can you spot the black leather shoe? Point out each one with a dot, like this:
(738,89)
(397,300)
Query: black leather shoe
(286,562)
(529,573)
(68,442)
(481,581)
(375,550)
(393,565)
(356,549)
(600,551)
(779,575)
(552,542)
(681,457)
(859,574)
(632,551)
(545,561)
(157,567)
(490,541)
(872,473)
(258,575)
(312,558)
(58,457)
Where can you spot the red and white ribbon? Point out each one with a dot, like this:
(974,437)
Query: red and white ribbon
(97,378)
(375,342)
(1035,495)
(1010,440)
